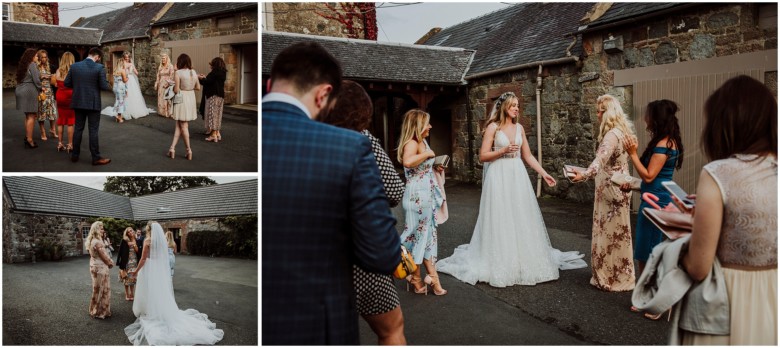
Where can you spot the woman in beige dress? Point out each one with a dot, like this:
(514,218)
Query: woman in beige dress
(99,265)
(612,258)
(735,218)
(186,82)
(164,80)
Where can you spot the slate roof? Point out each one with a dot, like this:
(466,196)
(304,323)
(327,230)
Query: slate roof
(237,198)
(625,10)
(519,34)
(124,23)
(181,11)
(368,60)
(45,34)
(53,197)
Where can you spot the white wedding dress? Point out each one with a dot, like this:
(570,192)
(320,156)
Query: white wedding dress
(134,102)
(510,245)
(159,319)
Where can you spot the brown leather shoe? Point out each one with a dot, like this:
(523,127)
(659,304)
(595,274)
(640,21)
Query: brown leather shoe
(101,162)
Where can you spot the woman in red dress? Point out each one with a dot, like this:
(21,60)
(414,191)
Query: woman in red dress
(67,117)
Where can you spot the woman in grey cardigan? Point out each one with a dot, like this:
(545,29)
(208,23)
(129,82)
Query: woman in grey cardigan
(28,86)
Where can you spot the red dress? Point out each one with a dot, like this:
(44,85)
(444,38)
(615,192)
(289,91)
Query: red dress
(67,117)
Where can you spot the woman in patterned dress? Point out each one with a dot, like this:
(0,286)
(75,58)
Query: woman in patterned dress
(47,108)
(120,91)
(127,260)
(612,258)
(377,299)
(213,98)
(28,86)
(164,80)
(172,250)
(99,265)
(65,115)
(422,199)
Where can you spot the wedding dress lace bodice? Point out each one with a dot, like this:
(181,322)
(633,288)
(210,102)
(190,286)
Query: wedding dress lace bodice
(748,187)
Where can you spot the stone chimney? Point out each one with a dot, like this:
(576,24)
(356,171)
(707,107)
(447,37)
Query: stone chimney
(427,36)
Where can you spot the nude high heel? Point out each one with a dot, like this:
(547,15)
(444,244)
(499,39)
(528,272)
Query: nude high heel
(171,153)
(433,281)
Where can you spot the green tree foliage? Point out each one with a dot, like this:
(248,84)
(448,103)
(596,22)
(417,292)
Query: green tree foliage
(133,186)
(115,227)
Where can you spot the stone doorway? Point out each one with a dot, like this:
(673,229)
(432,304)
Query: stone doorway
(249,77)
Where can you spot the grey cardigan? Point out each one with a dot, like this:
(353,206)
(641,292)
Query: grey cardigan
(699,307)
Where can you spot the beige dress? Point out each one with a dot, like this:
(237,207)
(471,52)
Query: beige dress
(100,303)
(164,79)
(748,240)
(187,110)
(612,257)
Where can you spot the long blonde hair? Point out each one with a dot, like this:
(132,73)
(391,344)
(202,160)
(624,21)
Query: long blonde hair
(66,61)
(612,117)
(120,66)
(412,129)
(125,233)
(169,238)
(94,232)
(501,110)
(47,67)
(127,54)
(161,64)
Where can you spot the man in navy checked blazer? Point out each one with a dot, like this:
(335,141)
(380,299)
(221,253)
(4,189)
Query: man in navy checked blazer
(324,207)
(87,78)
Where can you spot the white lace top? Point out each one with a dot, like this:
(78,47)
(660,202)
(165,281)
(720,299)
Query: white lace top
(749,189)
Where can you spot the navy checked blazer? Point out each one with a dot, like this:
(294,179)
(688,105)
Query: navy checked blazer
(323,210)
(86,78)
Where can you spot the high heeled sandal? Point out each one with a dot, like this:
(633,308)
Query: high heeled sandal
(171,153)
(415,282)
(213,138)
(43,136)
(60,146)
(658,316)
(54,134)
(68,148)
(189,154)
(30,144)
(433,281)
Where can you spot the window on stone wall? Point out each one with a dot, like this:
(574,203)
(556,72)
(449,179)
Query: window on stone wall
(6,11)
(226,22)
(85,232)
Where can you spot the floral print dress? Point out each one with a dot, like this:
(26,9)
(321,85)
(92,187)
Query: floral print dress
(47,108)
(612,256)
(422,198)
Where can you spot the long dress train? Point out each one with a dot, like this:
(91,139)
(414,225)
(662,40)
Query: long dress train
(135,103)
(510,245)
(159,319)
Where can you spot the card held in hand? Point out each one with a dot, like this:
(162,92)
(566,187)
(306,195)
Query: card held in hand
(442,160)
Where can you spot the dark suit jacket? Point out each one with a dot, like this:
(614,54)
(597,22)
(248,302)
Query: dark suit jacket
(86,78)
(123,255)
(324,209)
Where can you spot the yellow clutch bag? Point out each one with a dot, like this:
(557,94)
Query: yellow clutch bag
(407,265)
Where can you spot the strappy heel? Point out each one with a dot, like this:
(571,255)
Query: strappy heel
(171,153)
(60,146)
(189,154)
(433,281)
(213,138)
(54,134)
(30,144)
(68,148)
(416,282)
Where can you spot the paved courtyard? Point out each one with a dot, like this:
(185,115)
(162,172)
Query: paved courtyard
(47,303)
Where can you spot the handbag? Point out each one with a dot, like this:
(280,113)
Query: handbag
(42,96)
(407,266)
(177,98)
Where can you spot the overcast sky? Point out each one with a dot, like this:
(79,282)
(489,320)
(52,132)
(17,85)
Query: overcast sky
(97,182)
(398,22)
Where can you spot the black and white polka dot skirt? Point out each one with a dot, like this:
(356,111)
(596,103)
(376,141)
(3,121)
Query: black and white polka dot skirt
(376,293)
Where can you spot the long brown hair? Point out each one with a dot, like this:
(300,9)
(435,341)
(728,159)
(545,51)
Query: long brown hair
(661,123)
(740,118)
(353,109)
(24,63)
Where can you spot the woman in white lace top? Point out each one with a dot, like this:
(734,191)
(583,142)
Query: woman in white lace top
(735,218)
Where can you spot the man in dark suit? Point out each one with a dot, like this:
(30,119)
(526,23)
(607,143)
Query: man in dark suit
(324,207)
(87,78)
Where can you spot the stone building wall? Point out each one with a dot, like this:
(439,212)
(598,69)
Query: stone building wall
(246,22)
(561,107)
(31,12)
(302,18)
(144,61)
(22,230)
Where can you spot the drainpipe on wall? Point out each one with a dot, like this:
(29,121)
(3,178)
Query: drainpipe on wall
(470,140)
(539,128)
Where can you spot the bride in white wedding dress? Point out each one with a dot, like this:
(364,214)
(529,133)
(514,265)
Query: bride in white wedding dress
(510,245)
(159,319)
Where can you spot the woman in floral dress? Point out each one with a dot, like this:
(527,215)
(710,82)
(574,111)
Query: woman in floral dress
(47,108)
(164,80)
(128,261)
(99,265)
(612,256)
(422,199)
